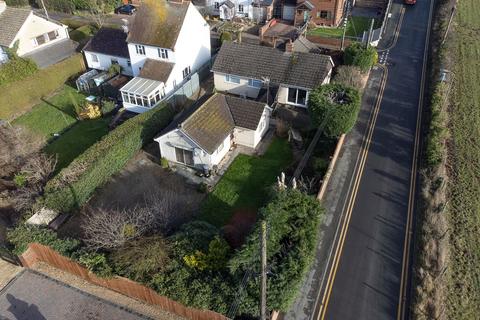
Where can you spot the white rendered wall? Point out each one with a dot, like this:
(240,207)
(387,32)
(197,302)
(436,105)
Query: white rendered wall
(241,89)
(105,61)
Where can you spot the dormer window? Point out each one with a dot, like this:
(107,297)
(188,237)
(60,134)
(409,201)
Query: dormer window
(140,49)
(163,53)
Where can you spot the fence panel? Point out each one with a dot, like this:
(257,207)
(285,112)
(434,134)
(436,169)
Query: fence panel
(39,253)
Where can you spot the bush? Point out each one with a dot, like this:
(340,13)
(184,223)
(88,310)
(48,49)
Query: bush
(20,96)
(357,55)
(20,180)
(225,36)
(114,69)
(17,3)
(140,259)
(94,262)
(82,33)
(107,107)
(292,218)
(435,148)
(25,234)
(320,165)
(164,163)
(350,76)
(74,23)
(16,69)
(72,187)
(335,107)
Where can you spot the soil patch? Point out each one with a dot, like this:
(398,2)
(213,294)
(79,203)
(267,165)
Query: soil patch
(239,226)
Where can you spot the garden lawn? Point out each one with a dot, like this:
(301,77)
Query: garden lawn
(83,33)
(76,140)
(53,115)
(355,28)
(245,185)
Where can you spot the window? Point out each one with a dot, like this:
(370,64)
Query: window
(232,79)
(113,61)
(129,63)
(217,5)
(163,53)
(297,96)
(140,49)
(255,83)
(40,40)
(186,72)
(184,156)
(94,58)
(240,8)
(53,35)
(324,14)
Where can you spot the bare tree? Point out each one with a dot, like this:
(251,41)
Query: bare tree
(351,76)
(97,13)
(39,168)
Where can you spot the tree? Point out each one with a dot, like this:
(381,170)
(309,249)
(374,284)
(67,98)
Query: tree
(350,76)
(357,55)
(334,107)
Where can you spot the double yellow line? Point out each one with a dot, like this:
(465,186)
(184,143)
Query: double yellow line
(360,165)
(413,180)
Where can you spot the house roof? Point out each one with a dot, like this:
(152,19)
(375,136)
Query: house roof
(141,86)
(306,70)
(302,44)
(229,4)
(109,41)
(214,120)
(158,23)
(11,20)
(156,70)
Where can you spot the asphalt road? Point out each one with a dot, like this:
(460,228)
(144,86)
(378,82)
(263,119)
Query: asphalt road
(368,279)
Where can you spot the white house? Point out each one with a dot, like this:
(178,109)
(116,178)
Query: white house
(246,69)
(33,34)
(107,47)
(257,10)
(166,43)
(204,137)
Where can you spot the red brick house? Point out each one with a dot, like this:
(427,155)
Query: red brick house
(323,13)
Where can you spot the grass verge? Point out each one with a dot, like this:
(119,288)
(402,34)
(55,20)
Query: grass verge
(245,184)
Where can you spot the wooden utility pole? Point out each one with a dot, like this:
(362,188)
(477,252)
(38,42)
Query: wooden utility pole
(45,9)
(452,14)
(263,286)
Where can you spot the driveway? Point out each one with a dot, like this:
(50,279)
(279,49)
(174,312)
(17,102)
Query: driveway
(53,53)
(34,296)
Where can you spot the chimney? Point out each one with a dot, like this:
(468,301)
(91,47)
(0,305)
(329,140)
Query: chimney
(3,6)
(289,46)
(125,25)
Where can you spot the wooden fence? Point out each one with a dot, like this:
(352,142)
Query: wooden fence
(329,42)
(39,253)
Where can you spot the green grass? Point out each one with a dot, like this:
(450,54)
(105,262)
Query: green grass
(355,28)
(19,97)
(83,33)
(53,115)
(245,184)
(76,140)
(464,270)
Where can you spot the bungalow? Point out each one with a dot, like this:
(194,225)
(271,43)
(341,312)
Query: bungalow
(203,138)
(43,40)
(244,69)
(107,47)
(167,42)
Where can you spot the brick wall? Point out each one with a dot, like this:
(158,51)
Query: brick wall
(327,12)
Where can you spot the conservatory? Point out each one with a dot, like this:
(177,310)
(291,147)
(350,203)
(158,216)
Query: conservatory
(140,94)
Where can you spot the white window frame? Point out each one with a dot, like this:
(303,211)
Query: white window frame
(216,5)
(140,49)
(240,8)
(163,53)
(251,83)
(232,79)
(186,72)
(296,96)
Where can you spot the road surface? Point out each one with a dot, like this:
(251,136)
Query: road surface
(368,272)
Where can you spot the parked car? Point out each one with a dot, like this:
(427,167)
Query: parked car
(126,9)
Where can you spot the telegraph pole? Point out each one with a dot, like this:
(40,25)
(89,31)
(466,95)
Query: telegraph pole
(45,9)
(263,286)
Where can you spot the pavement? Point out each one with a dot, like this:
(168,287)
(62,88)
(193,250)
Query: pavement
(360,270)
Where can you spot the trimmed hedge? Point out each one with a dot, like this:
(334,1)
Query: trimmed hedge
(21,95)
(73,186)
(16,69)
(357,55)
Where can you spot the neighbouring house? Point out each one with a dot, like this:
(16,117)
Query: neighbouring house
(324,13)
(167,42)
(43,40)
(107,47)
(256,10)
(203,138)
(246,70)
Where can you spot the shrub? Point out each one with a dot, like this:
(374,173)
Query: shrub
(140,259)
(292,218)
(434,150)
(320,165)
(357,55)
(25,234)
(164,163)
(74,23)
(75,184)
(20,179)
(350,76)
(335,107)
(107,106)
(225,36)
(82,33)
(16,69)
(17,3)
(94,262)
(114,69)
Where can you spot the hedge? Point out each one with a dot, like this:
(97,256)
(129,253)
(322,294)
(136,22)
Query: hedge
(73,186)
(16,69)
(20,96)
(357,55)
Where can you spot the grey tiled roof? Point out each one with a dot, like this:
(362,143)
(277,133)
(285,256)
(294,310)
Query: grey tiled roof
(11,20)
(156,70)
(306,70)
(109,41)
(158,23)
(214,120)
